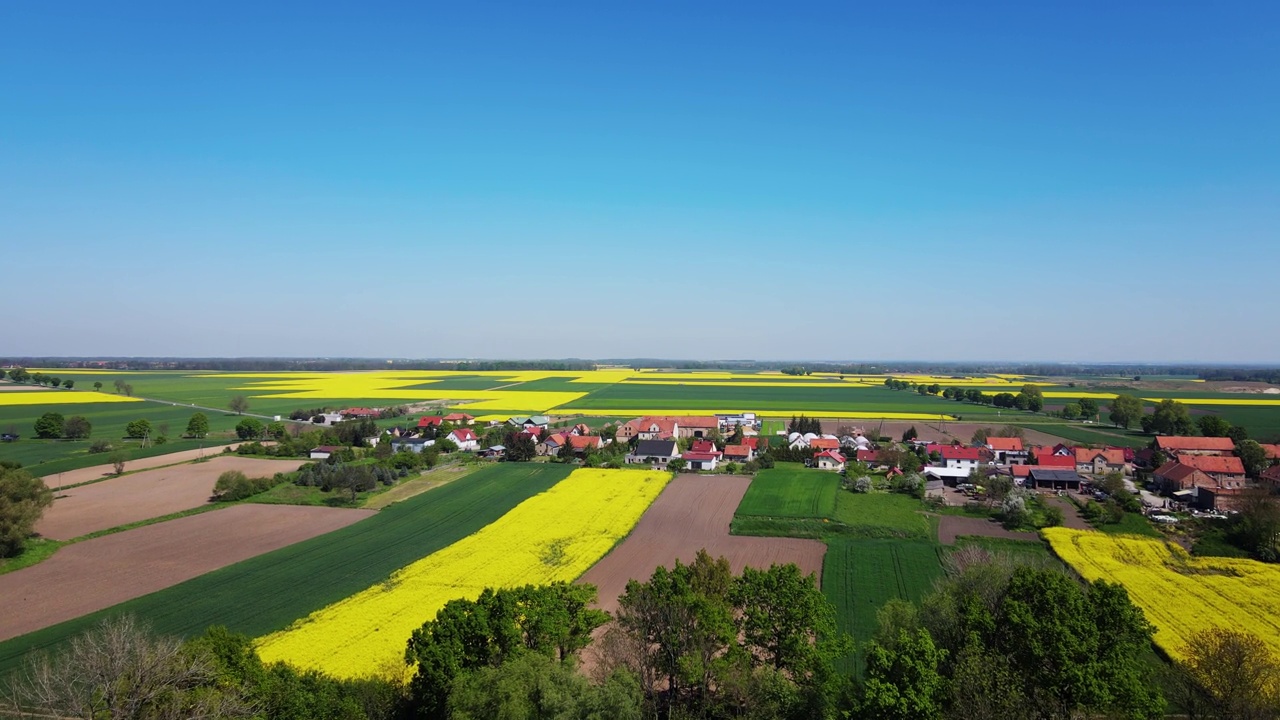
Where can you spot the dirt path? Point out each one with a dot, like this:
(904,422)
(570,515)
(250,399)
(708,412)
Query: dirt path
(692,513)
(951,527)
(99,573)
(1070,515)
(98,472)
(145,495)
(429,480)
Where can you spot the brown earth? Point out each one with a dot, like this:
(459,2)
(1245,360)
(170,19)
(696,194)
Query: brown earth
(97,472)
(145,495)
(1070,513)
(952,526)
(98,573)
(933,431)
(692,513)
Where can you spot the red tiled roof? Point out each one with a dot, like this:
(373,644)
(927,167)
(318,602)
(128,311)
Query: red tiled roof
(1056,461)
(326,448)
(824,444)
(1271,474)
(1213,464)
(737,450)
(1021,470)
(455,417)
(1043,451)
(752,442)
(1005,444)
(462,435)
(430,420)
(868,455)
(1273,451)
(951,452)
(359,412)
(581,442)
(1111,456)
(703,446)
(1175,471)
(1175,443)
(700,457)
(697,422)
(833,454)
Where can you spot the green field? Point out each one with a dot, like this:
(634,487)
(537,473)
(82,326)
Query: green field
(268,592)
(860,575)
(814,400)
(791,490)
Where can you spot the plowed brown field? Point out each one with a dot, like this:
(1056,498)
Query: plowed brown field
(101,572)
(145,495)
(693,513)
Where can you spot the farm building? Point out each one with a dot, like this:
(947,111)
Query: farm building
(1100,462)
(1039,478)
(949,476)
(1180,445)
(1227,471)
(701,460)
(1271,476)
(324,452)
(1174,477)
(649,428)
(697,427)
(739,453)
(1007,450)
(540,421)
(551,444)
(654,452)
(358,412)
(416,445)
(829,460)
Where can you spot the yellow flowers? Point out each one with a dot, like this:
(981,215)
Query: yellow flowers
(1179,594)
(570,410)
(556,535)
(57,397)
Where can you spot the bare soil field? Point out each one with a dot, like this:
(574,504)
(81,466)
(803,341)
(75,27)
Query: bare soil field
(98,573)
(951,527)
(693,513)
(933,431)
(97,472)
(145,495)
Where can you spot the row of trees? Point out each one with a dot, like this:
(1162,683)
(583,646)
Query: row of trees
(20,375)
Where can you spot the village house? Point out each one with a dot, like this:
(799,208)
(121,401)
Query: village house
(697,427)
(1179,480)
(829,460)
(739,453)
(704,446)
(797,441)
(960,458)
(539,421)
(551,444)
(1272,451)
(412,444)
(459,419)
(358,413)
(1007,450)
(648,428)
(1227,471)
(701,460)
(323,452)
(582,444)
(1271,477)
(1181,445)
(464,438)
(1101,462)
(654,452)
(430,421)
(824,443)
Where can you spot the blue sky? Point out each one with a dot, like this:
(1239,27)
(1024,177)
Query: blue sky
(1025,181)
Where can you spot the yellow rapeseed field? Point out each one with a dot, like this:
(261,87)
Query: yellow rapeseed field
(58,397)
(1179,594)
(556,535)
(850,414)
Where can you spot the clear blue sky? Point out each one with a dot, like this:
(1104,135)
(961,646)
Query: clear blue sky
(1022,180)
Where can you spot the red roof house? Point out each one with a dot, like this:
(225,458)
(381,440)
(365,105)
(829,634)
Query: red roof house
(1182,445)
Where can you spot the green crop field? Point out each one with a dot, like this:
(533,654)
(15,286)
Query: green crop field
(882,513)
(791,490)
(268,592)
(860,575)
(813,400)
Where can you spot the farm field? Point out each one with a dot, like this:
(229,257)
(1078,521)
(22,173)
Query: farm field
(860,575)
(144,495)
(268,592)
(1165,581)
(554,536)
(791,490)
(693,513)
(95,574)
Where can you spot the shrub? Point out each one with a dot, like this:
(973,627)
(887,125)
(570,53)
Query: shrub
(862,485)
(234,485)
(100,446)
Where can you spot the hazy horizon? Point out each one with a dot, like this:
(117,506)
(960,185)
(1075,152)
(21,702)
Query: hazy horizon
(1070,183)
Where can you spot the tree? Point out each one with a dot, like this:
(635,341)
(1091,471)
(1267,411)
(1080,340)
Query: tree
(1088,407)
(97,386)
(1253,456)
(239,404)
(1071,411)
(676,465)
(519,448)
(138,428)
(117,670)
(50,425)
(198,425)
(1125,411)
(980,436)
(1234,674)
(23,499)
(249,429)
(1172,418)
(77,427)
(1213,426)
(788,624)
(68,384)
(278,431)
(532,685)
(354,479)
(903,683)
(910,434)
(1258,523)
(555,621)
(117,460)
(19,375)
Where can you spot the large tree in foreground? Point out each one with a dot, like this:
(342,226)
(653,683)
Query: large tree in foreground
(1125,411)
(23,499)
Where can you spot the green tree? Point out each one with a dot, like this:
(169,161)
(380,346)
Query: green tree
(77,427)
(519,448)
(555,621)
(1229,673)
(97,386)
(1071,411)
(249,429)
(50,425)
(117,460)
(23,499)
(198,425)
(1125,410)
(68,384)
(904,683)
(1088,407)
(1172,418)
(138,428)
(910,434)
(1253,456)
(981,435)
(1213,426)
(676,465)
(532,685)
(277,431)
(239,404)
(788,624)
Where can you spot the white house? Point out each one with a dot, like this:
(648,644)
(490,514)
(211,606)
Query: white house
(961,458)
(465,439)
(701,460)
(323,452)
(654,452)
(829,460)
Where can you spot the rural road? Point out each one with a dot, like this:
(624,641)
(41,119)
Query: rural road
(97,472)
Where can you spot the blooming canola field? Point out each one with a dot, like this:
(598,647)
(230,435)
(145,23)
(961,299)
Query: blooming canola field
(1179,594)
(60,397)
(554,536)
